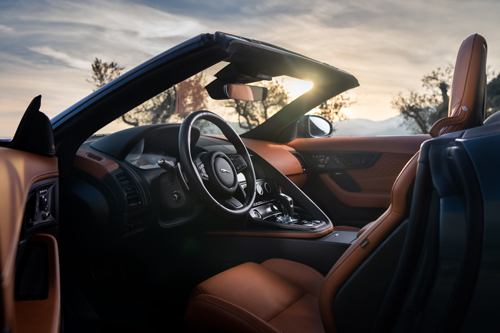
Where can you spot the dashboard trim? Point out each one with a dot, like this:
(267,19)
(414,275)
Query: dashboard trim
(94,163)
(277,234)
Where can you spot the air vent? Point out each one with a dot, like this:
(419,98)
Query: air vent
(133,197)
(94,157)
(300,159)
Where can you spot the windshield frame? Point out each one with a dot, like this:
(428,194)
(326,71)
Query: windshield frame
(175,65)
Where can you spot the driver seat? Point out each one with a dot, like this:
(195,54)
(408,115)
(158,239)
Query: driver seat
(284,296)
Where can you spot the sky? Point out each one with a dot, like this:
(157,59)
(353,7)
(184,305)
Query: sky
(47,46)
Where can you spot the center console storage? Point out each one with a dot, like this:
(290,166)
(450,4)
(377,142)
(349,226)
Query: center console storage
(275,208)
(342,236)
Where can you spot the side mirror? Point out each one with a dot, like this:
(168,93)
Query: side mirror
(245,93)
(312,126)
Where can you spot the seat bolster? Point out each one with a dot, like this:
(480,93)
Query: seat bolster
(303,276)
(276,295)
(366,227)
(218,315)
(302,316)
(373,236)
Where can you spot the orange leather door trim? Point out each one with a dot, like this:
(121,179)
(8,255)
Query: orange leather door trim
(357,199)
(376,181)
(408,144)
(44,315)
(277,155)
(19,170)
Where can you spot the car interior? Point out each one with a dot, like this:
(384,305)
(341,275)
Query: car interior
(279,229)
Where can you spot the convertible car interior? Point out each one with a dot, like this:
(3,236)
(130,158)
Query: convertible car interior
(153,205)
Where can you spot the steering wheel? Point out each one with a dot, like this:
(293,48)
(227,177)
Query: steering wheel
(213,175)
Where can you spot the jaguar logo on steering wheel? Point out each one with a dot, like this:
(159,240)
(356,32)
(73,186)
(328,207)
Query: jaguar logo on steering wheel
(225,171)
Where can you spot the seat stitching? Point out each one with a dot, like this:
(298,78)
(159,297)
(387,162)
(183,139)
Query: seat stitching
(236,314)
(298,264)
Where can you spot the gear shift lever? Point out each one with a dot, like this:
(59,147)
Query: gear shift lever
(287,204)
(288,211)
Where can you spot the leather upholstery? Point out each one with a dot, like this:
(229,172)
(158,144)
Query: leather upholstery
(364,245)
(44,315)
(280,296)
(94,163)
(378,144)
(468,90)
(19,170)
(277,154)
(276,296)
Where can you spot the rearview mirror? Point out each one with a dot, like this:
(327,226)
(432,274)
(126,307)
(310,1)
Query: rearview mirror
(312,126)
(245,93)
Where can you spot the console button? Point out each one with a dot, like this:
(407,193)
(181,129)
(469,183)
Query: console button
(256,214)
(260,190)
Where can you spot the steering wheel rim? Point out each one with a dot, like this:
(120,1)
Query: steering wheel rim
(193,177)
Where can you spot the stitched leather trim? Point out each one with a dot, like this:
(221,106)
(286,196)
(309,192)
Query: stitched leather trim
(296,264)
(207,299)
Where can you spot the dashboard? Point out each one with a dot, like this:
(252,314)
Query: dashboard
(133,183)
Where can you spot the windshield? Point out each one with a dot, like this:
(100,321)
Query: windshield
(175,103)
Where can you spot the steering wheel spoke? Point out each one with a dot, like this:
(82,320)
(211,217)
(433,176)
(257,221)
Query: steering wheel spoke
(232,203)
(203,173)
(238,162)
(200,167)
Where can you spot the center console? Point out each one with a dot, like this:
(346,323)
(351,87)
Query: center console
(275,208)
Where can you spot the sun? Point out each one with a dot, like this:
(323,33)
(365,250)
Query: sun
(296,87)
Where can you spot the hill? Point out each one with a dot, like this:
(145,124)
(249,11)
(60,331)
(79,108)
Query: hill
(366,127)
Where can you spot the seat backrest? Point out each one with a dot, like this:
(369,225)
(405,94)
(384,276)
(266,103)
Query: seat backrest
(468,89)
(467,104)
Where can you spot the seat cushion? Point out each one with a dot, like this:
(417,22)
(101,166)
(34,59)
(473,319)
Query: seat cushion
(276,296)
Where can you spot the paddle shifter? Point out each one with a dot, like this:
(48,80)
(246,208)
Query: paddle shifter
(287,204)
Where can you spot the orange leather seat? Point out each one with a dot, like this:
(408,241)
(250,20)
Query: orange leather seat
(284,296)
(277,294)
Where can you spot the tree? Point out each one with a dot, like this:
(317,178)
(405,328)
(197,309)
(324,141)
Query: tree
(251,114)
(417,110)
(332,108)
(179,100)
(185,97)
(421,111)
(103,72)
(493,96)
(191,94)
(155,110)
(438,83)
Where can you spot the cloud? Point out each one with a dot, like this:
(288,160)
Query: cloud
(47,46)
(73,62)
(128,32)
(5,29)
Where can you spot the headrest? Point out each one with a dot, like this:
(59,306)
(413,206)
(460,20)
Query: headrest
(493,119)
(468,90)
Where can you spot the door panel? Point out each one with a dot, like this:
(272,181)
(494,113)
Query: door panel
(351,178)
(407,144)
(19,171)
(374,183)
